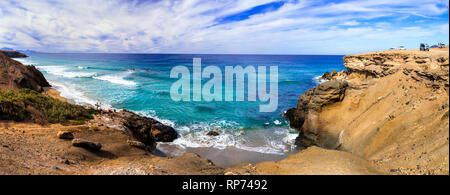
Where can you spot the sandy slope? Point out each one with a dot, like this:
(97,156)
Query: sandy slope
(33,149)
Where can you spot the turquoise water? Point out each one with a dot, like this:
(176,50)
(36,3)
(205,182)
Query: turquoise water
(141,83)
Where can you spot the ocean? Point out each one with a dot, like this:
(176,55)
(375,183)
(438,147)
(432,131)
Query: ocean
(141,83)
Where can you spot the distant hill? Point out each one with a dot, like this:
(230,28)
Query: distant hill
(7,49)
(27,51)
(13,54)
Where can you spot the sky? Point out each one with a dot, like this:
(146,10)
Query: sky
(222,26)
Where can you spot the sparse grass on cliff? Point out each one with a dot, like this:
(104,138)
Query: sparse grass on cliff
(26,104)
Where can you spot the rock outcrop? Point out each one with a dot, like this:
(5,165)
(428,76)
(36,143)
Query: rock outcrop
(304,117)
(142,129)
(15,75)
(13,54)
(431,68)
(389,109)
(335,75)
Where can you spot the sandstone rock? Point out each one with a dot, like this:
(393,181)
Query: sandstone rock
(14,75)
(94,146)
(65,135)
(335,75)
(327,76)
(381,64)
(387,91)
(304,119)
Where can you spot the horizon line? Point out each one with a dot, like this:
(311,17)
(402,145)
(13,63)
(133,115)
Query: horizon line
(182,53)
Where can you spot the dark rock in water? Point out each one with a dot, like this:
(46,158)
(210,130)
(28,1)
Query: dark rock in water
(212,133)
(13,54)
(94,146)
(163,133)
(15,75)
(309,104)
(144,129)
(65,135)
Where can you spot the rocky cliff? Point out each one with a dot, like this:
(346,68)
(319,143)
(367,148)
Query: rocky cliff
(15,75)
(390,108)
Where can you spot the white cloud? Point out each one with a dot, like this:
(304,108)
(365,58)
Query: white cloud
(190,26)
(351,23)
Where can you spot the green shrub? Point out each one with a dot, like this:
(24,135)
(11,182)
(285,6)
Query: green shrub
(26,104)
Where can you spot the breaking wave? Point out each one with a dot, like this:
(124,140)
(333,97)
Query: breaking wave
(118,78)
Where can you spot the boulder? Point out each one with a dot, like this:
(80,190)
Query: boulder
(143,129)
(65,135)
(94,146)
(15,75)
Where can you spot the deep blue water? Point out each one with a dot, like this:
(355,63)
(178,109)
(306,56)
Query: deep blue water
(141,83)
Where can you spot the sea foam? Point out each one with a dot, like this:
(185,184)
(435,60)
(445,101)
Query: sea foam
(118,78)
(64,71)
(75,95)
(253,140)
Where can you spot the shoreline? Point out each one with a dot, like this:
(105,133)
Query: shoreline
(246,153)
(224,157)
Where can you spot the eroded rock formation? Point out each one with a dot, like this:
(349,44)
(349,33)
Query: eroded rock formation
(304,117)
(390,108)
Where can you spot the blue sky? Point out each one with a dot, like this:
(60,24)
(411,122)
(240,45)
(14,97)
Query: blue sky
(222,26)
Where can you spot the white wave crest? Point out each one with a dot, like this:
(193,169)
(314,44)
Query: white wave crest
(63,71)
(319,80)
(118,78)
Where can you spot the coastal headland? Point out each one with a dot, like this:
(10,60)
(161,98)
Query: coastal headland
(387,114)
